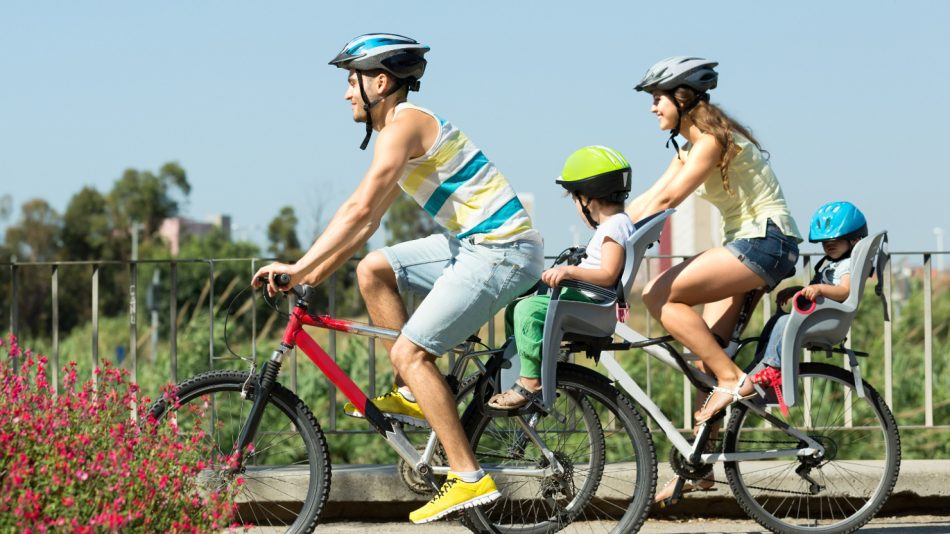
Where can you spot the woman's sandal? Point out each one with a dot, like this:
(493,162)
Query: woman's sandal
(665,496)
(516,397)
(734,393)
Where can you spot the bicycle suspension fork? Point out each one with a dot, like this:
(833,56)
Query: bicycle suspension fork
(262,391)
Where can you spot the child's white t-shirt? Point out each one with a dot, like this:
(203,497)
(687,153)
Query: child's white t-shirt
(618,227)
(833,271)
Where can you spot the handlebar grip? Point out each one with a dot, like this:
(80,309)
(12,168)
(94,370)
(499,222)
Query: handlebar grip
(281,279)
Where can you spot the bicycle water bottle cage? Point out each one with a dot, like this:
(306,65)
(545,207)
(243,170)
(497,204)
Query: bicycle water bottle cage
(824,323)
(593,322)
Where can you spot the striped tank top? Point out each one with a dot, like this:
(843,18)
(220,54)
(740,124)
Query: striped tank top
(463,191)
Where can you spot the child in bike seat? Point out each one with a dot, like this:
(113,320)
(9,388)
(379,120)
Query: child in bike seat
(838,226)
(598,180)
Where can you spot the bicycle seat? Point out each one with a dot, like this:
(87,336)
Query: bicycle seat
(826,323)
(593,321)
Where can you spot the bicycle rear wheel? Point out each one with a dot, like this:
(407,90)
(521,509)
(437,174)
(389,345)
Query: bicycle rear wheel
(595,434)
(847,486)
(285,479)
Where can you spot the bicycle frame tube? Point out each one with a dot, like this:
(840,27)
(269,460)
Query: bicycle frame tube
(688,450)
(294,335)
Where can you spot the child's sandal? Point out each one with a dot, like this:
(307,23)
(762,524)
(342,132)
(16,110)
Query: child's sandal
(516,397)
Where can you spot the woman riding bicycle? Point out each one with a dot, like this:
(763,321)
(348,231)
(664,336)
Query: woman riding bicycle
(724,164)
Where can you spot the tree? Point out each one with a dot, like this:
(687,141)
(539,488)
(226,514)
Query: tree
(36,237)
(6,204)
(282,235)
(86,229)
(406,221)
(145,197)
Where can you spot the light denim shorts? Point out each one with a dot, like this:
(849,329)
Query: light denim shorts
(772,257)
(464,284)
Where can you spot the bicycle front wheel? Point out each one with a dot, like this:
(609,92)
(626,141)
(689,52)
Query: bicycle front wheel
(285,478)
(837,492)
(599,440)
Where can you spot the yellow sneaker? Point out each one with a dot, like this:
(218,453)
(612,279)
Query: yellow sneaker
(394,406)
(456,494)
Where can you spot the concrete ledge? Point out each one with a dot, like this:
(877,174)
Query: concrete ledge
(377,492)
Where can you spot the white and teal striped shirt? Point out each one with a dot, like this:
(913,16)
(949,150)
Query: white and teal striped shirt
(463,191)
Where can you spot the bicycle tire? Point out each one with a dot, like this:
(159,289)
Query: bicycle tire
(855,477)
(612,462)
(289,445)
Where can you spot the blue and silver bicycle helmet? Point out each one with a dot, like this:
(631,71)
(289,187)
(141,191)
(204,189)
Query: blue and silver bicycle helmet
(837,220)
(398,55)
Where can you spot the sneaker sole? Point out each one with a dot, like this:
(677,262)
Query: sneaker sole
(408,419)
(481,500)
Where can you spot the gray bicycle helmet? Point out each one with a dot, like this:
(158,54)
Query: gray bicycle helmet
(398,55)
(668,74)
(673,72)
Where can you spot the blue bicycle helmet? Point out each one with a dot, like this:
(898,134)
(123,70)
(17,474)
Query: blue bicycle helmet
(400,56)
(837,220)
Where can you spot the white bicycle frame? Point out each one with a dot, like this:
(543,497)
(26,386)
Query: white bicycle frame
(693,450)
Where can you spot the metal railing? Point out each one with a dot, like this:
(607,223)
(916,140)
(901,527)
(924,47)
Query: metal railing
(17,272)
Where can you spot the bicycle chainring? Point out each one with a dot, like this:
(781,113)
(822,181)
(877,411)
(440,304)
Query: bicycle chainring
(416,482)
(682,467)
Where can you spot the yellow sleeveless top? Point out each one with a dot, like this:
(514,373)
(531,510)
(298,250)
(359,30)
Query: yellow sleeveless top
(754,195)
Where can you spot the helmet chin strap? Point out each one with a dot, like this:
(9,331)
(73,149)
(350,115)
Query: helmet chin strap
(368,106)
(586,211)
(680,111)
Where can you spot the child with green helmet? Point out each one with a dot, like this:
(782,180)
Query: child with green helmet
(598,180)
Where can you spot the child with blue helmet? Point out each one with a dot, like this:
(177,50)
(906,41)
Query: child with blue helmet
(838,226)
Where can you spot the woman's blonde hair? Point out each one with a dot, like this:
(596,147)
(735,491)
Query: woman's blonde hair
(715,122)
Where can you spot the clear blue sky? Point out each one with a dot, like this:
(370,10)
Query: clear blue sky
(849,97)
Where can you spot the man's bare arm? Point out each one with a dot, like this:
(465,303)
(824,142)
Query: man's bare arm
(359,217)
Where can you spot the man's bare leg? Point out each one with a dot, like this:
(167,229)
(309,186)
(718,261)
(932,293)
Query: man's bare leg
(377,283)
(428,386)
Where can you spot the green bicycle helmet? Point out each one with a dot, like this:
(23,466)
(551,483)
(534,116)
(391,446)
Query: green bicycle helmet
(596,172)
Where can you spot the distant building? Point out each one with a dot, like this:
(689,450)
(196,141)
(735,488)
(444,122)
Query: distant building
(175,230)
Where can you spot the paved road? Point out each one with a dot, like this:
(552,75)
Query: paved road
(919,524)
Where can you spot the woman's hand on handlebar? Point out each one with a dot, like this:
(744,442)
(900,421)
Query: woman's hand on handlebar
(268,274)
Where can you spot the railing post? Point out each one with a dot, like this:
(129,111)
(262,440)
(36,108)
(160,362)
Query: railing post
(54,288)
(372,364)
(253,315)
(14,271)
(211,314)
(173,323)
(888,337)
(331,296)
(95,319)
(928,343)
(133,323)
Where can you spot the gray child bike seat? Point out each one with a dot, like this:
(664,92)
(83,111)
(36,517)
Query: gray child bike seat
(568,318)
(826,323)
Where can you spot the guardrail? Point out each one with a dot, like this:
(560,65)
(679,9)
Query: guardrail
(16,272)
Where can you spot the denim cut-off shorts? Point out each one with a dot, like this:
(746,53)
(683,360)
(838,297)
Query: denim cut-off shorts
(772,257)
(465,284)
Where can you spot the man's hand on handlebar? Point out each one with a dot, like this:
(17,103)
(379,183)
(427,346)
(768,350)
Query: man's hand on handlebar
(269,275)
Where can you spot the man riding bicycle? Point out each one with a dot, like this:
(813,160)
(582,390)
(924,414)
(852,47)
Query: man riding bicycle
(489,254)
